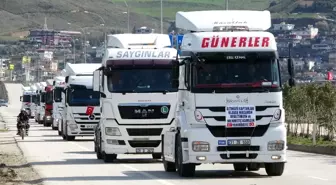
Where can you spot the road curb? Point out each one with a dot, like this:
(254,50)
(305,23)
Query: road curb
(313,149)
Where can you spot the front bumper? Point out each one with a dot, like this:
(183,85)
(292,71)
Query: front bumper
(48,119)
(257,152)
(86,129)
(131,141)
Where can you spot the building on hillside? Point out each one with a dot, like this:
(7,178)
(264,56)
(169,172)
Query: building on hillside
(51,37)
(310,32)
(283,27)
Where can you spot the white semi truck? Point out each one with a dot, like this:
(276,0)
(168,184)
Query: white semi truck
(81,109)
(33,104)
(139,84)
(230,106)
(40,114)
(37,101)
(26,99)
(58,87)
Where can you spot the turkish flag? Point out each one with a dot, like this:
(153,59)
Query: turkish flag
(329,76)
(89,110)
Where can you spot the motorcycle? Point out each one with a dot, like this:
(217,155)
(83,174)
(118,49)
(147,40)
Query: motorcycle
(23,130)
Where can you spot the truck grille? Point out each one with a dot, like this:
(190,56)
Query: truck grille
(144,132)
(147,143)
(148,112)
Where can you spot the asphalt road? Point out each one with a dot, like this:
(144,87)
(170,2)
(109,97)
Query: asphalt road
(60,163)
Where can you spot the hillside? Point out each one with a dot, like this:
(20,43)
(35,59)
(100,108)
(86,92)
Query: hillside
(20,15)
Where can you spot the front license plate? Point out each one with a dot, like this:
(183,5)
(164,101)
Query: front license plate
(238,142)
(145,150)
(90,126)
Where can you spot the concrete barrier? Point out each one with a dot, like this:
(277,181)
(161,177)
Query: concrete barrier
(313,149)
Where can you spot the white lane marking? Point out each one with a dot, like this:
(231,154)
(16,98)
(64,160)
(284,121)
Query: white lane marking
(165,182)
(319,178)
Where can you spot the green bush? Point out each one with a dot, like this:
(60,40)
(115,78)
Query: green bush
(311,106)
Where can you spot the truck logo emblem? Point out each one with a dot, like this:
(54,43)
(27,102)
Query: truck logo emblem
(164,109)
(144,112)
(92,117)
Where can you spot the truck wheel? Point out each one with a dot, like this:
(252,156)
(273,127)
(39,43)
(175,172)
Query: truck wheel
(184,170)
(54,128)
(168,166)
(239,166)
(59,133)
(98,150)
(108,158)
(156,155)
(274,169)
(70,138)
(253,167)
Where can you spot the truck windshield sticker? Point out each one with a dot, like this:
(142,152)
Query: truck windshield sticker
(240,116)
(144,54)
(235,42)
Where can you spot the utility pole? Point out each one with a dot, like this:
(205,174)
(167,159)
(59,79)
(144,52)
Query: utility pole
(161,17)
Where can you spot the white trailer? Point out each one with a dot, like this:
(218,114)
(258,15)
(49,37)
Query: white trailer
(58,87)
(81,109)
(230,106)
(138,82)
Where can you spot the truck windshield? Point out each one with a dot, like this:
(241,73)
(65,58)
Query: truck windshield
(37,99)
(49,97)
(236,72)
(43,97)
(34,98)
(26,98)
(58,94)
(141,80)
(78,95)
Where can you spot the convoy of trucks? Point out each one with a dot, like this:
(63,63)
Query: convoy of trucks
(220,101)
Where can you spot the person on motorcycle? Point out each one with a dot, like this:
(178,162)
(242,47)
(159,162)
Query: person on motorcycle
(22,117)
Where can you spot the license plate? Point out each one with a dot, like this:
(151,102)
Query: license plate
(239,142)
(90,126)
(144,150)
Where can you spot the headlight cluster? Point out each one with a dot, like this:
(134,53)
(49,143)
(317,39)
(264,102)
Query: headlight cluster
(200,146)
(275,145)
(112,131)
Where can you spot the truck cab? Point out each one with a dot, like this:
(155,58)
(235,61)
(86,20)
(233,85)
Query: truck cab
(48,108)
(33,104)
(58,87)
(26,99)
(138,81)
(81,106)
(230,106)
(41,108)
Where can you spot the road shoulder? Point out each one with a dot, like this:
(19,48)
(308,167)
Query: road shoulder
(14,169)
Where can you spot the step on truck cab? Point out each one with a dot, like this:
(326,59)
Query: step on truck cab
(26,99)
(138,82)
(81,110)
(58,87)
(41,108)
(48,108)
(230,107)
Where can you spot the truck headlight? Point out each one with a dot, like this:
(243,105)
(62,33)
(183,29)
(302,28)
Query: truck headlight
(73,126)
(200,146)
(112,131)
(276,145)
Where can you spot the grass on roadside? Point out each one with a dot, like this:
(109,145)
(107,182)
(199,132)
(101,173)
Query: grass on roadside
(4,130)
(309,141)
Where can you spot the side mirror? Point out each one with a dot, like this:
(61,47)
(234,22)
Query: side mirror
(291,82)
(290,65)
(20,98)
(96,81)
(102,95)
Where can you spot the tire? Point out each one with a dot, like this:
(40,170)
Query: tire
(23,133)
(98,150)
(68,138)
(156,156)
(54,128)
(274,169)
(239,167)
(168,166)
(253,167)
(59,133)
(184,170)
(109,158)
